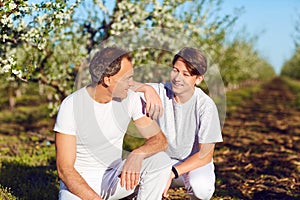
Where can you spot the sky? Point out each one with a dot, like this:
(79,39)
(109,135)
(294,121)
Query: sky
(273,21)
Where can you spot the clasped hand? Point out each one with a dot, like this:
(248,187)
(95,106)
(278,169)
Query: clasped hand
(131,170)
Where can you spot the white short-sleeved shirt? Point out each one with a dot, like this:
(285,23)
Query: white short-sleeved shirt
(99,128)
(186,125)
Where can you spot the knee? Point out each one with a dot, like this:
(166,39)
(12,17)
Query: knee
(163,156)
(159,161)
(202,191)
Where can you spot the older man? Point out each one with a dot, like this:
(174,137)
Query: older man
(90,127)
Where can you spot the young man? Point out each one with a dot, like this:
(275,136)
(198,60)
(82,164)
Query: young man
(190,122)
(90,127)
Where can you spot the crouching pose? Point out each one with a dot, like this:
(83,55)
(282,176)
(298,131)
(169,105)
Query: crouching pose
(90,127)
(190,122)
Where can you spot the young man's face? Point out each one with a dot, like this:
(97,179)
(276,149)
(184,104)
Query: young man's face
(123,80)
(181,79)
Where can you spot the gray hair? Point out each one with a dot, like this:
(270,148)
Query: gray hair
(106,62)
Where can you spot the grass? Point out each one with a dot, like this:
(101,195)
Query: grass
(236,98)
(27,161)
(132,139)
(295,86)
(5,194)
(29,171)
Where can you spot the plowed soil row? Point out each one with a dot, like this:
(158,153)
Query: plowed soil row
(260,155)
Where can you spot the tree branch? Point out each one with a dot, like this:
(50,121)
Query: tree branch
(12,11)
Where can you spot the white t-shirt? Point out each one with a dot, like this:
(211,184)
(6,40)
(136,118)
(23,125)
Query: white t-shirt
(99,128)
(186,125)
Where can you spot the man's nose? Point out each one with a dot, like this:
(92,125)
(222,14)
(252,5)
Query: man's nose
(178,77)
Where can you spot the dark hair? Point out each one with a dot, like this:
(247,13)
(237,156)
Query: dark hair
(107,62)
(195,60)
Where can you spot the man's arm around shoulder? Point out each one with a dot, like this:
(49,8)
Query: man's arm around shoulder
(154,106)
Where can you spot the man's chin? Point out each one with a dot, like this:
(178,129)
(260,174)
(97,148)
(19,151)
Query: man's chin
(176,88)
(120,97)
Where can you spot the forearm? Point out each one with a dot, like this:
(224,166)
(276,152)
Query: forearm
(154,107)
(153,145)
(194,162)
(139,87)
(77,185)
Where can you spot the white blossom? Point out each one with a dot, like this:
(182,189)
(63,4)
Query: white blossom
(4,37)
(4,19)
(17,72)
(12,5)
(42,44)
(48,4)
(12,60)
(6,68)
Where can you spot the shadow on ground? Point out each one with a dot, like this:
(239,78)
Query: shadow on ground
(29,183)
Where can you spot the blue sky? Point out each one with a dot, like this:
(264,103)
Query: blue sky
(273,21)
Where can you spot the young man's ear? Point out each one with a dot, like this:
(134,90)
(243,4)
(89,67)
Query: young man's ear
(199,79)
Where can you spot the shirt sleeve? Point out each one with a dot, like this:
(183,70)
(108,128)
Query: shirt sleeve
(210,128)
(65,121)
(137,107)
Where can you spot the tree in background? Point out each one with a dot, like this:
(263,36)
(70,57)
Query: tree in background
(33,37)
(49,42)
(240,63)
(291,67)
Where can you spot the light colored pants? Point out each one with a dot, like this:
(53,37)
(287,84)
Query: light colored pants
(155,173)
(199,183)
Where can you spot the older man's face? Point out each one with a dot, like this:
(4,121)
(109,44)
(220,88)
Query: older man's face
(123,80)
